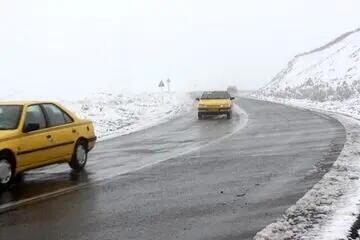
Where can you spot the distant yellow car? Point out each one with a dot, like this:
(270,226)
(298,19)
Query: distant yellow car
(215,103)
(36,134)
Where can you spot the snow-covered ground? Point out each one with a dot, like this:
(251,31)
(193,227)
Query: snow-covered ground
(325,80)
(115,115)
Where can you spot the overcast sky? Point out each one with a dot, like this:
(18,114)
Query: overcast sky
(69,47)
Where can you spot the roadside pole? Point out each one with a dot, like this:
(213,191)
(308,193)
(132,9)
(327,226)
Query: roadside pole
(168,84)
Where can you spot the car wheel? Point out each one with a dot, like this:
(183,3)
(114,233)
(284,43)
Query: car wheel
(229,115)
(6,173)
(200,116)
(80,156)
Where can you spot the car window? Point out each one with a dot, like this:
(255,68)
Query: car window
(215,95)
(56,116)
(68,119)
(9,116)
(34,114)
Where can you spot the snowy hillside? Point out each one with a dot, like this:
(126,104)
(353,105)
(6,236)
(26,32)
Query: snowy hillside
(325,79)
(115,115)
(331,72)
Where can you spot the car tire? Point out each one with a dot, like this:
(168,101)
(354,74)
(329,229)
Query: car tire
(6,172)
(80,155)
(19,178)
(200,116)
(229,115)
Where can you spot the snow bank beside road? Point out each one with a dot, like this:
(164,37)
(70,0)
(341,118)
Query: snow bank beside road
(114,115)
(327,211)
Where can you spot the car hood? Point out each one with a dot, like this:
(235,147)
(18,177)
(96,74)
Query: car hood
(5,134)
(215,102)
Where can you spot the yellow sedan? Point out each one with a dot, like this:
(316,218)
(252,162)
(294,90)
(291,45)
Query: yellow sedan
(36,134)
(215,103)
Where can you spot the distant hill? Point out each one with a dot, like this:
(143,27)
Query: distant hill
(328,73)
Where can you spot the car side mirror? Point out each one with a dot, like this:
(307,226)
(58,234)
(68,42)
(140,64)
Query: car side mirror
(232,98)
(197,99)
(31,127)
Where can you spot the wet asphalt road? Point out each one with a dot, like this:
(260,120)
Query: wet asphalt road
(229,184)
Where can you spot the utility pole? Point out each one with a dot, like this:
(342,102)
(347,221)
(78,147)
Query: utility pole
(168,83)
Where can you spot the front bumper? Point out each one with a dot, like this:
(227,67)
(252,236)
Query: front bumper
(214,111)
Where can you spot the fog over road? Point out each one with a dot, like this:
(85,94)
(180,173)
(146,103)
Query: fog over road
(229,184)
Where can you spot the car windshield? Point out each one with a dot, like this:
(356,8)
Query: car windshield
(215,95)
(9,116)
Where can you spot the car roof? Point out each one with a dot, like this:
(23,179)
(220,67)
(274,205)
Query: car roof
(23,102)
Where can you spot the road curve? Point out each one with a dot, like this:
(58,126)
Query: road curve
(230,189)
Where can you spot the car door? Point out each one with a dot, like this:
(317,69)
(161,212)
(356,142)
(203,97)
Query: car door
(34,147)
(61,130)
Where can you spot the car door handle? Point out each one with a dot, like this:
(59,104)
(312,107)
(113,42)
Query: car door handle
(74,131)
(48,136)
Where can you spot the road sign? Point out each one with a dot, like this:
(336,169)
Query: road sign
(161,84)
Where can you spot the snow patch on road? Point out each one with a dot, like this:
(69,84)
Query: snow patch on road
(330,208)
(115,114)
